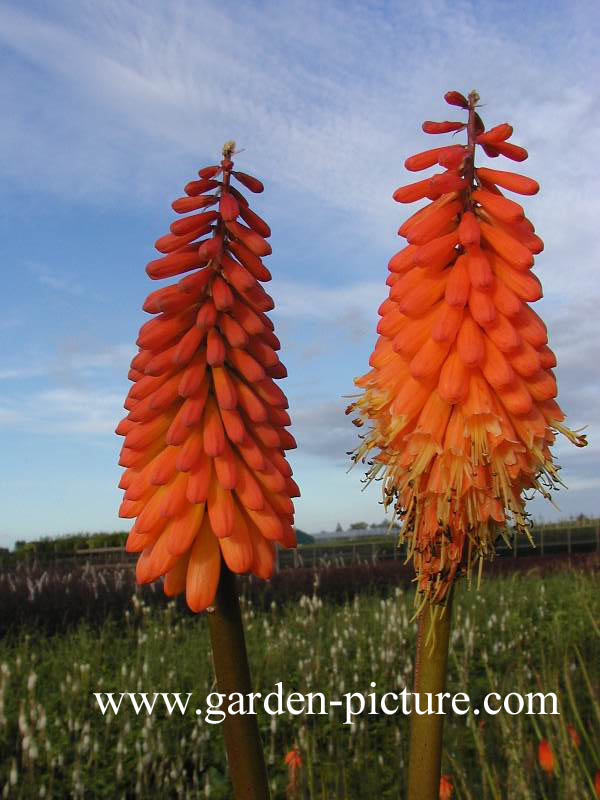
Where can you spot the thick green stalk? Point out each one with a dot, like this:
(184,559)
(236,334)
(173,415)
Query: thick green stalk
(242,737)
(425,758)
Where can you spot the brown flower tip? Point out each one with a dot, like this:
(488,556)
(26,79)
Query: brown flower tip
(205,437)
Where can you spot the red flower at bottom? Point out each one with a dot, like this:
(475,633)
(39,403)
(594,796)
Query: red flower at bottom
(294,764)
(546,757)
(446,787)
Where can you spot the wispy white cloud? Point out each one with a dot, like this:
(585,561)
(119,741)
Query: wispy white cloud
(309,301)
(74,359)
(54,280)
(329,108)
(74,392)
(61,411)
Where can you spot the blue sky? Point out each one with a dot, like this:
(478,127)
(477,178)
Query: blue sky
(111,107)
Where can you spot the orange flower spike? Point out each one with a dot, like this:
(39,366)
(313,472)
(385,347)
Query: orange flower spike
(460,396)
(206,431)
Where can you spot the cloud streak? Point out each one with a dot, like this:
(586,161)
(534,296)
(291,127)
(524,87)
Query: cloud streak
(321,111)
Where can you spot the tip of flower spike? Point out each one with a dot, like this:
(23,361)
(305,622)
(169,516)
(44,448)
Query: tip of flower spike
(473,97)
(456,99)
(228,148)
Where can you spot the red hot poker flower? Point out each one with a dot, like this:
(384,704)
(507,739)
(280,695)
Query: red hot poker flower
(205,437)
(461,394)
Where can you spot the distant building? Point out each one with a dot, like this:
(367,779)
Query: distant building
(355,532)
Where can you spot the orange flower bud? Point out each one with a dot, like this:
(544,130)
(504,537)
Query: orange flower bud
(412,192)
(184,204)
(468,230)
(452,157)
(430,157)
(508,180)
(456,99)
(255,222)
(449,181)
(501,207)
(228,207)
(442,127)
(494,135)
(209,172)
(249,182)
(512,151)
(194,188)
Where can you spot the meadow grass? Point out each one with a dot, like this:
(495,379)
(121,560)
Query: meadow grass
(526,633)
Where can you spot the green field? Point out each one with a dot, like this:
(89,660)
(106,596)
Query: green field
(523,633)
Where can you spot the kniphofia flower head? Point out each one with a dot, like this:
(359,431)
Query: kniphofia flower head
(461,392)
(206,476)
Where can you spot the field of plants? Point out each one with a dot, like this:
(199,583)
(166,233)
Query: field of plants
(525,633)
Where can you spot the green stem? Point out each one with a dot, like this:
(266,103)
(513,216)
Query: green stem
(242,737)
(425,758)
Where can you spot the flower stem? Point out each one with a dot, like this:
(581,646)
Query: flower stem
(425,757)
(242,737)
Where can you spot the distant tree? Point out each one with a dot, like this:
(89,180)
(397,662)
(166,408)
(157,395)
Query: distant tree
(338,528)
(358,526)
(304,538)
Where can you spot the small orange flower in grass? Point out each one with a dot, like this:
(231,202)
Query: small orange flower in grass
(446,787)
(546,757)
(597,782)
(461,390)
(294,764)
(205,436)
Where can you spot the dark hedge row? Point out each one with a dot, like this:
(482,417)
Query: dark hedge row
(53,599)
